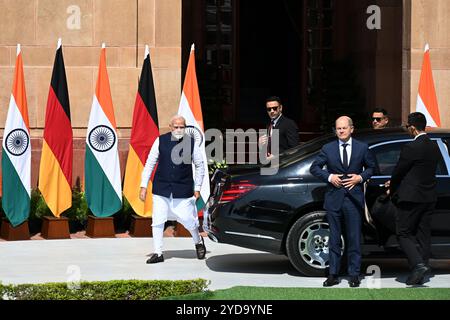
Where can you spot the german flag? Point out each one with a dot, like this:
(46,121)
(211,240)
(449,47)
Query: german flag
(144,132)
(55,172)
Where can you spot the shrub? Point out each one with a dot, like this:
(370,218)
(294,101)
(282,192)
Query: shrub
(108,290)
(213,165)
(77,214)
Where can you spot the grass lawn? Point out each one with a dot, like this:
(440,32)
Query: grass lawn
(266,293)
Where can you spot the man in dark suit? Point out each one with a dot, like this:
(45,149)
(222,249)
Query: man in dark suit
(413,191)
(349,163)
(286,128)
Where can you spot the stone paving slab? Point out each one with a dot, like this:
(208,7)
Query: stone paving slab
(124,258)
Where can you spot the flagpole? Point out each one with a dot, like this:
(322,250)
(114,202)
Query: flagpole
(59,43)
(18,49)
(147,51)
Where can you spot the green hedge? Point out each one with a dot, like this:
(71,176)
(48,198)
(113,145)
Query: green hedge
(108,290)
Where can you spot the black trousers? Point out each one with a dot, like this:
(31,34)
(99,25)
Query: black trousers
(413,222)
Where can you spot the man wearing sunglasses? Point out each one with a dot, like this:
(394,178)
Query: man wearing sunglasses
(380,118)
(287,129)
(175,188)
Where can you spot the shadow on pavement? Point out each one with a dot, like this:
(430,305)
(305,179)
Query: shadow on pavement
(264,263)
(181,254)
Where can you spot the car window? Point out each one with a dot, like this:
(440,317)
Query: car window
(447,144)
(312,146)
(387,156)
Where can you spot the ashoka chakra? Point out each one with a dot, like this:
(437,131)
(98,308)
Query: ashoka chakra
(195,134)
(102,138)
(17,142)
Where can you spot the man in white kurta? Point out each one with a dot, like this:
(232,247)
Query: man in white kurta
(175,188)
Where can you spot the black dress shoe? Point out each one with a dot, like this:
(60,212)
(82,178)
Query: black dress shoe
(155,258)
(331,281)
(354,282)
(417,275)
(201,249)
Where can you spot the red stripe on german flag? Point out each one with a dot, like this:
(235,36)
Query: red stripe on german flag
(144,132)
(55,172)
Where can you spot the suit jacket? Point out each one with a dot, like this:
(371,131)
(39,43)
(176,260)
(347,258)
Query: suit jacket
(361,162)
(414,177)
(288,133)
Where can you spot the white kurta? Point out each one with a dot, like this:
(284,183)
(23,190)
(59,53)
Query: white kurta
(181,210)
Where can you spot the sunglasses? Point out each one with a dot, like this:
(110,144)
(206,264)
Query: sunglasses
(377,119)
(272,108)
(178,127)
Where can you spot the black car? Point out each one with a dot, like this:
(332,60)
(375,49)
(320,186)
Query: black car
(283,213)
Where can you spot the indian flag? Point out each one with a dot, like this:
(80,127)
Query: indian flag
(16,153)
(144,132)
(102,169)
(426,99)
(191,109)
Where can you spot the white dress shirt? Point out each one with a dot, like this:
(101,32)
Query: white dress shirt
(420,134)
(153,159)
(341,152)
(275,121)
(348,148)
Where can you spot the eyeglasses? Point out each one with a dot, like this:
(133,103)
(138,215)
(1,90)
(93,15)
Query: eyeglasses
(178,127)
(272,108)
(377,119)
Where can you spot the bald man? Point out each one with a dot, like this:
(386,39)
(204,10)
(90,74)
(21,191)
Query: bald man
(175,189)
(349,163)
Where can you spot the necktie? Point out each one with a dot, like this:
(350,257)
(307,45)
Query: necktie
(269,142)
(345,156)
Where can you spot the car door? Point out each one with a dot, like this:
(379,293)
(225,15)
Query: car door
(387,155)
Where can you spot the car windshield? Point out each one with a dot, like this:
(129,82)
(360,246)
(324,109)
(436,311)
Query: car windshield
(306,148)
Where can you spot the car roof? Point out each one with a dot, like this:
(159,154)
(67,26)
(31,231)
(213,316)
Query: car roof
(371,136)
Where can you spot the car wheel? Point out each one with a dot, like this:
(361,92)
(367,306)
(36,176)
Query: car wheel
(307,244)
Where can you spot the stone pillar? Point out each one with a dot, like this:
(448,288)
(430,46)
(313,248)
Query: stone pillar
(426,22)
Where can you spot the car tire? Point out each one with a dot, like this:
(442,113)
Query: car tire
(307,244)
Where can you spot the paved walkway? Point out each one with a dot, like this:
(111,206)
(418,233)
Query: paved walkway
(124,258)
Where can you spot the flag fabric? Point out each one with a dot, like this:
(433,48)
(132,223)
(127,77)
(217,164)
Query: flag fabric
(191,109)
(102,168)
(16,152)
(55,171)
(144,132)
(426,98)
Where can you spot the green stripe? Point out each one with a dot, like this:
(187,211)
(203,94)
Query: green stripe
(100,194)
(15,198)
(200,204)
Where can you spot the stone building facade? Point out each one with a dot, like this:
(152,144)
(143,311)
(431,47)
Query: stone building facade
(127,25)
